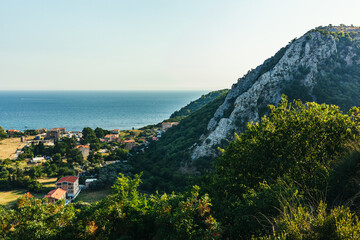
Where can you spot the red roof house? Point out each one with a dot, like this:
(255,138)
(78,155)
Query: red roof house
(56,194)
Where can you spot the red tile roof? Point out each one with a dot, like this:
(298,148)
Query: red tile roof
(58,128)
(13,130)
(129,141)
(82,146)
(67,179)
(56,193)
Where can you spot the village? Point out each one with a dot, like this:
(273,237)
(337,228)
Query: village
(68,187)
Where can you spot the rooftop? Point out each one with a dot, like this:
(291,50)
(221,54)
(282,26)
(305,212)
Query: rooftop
(56,193)
(68,179)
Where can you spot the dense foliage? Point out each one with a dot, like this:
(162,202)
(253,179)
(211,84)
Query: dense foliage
(301,223)
(126,214)
(288,156)
(293,175)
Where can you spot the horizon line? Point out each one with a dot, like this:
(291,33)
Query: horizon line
(107,90)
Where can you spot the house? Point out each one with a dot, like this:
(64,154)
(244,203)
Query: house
(53,134)
(61,130)
(112,137)
(88,181)
(84,149)
(115,131)
(38,160)
(70,184)
(129,144)
(12,132)
(56,195)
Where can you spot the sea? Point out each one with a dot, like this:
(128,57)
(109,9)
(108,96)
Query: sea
(75,110)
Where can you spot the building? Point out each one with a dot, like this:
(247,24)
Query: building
(56,195)
(84,149)
(61,130)
(70,184)
(53,134)
(88,181)
(115,131)
(112,137)
(38,160)
(129,144)
(12,132)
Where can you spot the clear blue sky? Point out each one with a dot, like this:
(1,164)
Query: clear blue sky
(150,44)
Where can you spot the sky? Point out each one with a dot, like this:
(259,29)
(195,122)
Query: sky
(150,44)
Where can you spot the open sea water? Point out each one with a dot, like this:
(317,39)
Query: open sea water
(75,110)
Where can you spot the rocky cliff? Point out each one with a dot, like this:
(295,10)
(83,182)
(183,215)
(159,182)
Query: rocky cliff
(322,66)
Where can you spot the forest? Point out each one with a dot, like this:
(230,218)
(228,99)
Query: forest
(293,175)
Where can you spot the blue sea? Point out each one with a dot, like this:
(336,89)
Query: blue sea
(75,110)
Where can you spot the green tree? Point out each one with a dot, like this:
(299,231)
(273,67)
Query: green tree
(3,133)
(89,136)
(297,145)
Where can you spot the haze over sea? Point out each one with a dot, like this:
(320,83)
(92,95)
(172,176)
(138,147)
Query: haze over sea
(75,110)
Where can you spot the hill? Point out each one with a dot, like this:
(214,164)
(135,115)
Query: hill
(321,66)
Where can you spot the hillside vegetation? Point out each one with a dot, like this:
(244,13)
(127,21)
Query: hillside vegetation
(161,161)
(283,178)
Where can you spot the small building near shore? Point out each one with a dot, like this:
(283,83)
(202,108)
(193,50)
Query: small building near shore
(129,144)
(53,134)
(115,131)
(84,149)
(11,132)
(112,138)
(61,130)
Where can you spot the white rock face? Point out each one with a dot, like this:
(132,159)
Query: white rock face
(263,86)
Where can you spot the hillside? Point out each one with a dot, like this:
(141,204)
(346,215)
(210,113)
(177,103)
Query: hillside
(197,104)
(321,66)
(161,161)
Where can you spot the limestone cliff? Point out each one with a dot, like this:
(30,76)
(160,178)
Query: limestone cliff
(304,69)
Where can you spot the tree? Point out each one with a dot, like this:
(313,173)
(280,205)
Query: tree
(100,133)
(75,156)
(57,159)
(89,136)
(292,150)
(35,172)
(3,133)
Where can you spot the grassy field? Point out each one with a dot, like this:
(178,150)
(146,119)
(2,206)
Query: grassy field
(9,146)
(8,198)
(92,196)
(47,182)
